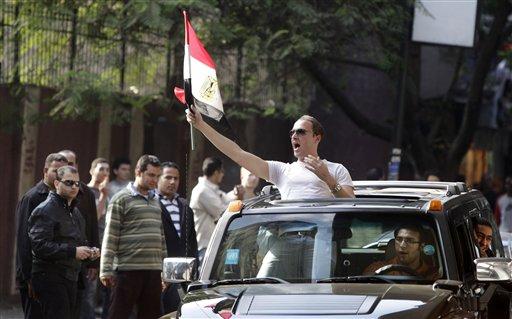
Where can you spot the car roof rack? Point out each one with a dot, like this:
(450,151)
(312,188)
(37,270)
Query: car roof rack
(450,188)
(366,191)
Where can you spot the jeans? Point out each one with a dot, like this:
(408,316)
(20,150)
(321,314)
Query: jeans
(89,299)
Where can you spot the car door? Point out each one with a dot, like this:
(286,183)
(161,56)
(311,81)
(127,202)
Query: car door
(494,298)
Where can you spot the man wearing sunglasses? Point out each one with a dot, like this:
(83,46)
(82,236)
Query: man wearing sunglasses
(308,177)
(57,237)
(35,196)
(407,260)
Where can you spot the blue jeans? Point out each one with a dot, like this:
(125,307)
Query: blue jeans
(89,299)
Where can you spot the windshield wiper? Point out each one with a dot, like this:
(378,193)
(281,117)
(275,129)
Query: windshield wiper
(376,279)
(252,280)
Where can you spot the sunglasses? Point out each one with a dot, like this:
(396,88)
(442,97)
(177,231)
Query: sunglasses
(70,183)
(406,241)
(299,131)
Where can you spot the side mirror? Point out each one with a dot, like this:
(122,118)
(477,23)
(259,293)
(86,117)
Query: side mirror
(493,269)
(178,269)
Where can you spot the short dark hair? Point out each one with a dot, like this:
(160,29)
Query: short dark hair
(120,161)
(210,165)
(413,227)
(61,171)
(481,221)
(97,161)
(55,157)
(318,129)
(145,160)
(170,164)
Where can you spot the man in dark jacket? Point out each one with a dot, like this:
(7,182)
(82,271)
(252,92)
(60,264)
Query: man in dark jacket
(57,237)
(35,196)
(87,281)
(178,223)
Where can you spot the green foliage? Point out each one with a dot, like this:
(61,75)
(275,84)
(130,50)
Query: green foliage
(80,96)
(273,36)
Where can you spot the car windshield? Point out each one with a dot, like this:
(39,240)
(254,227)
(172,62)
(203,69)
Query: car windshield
(311,247)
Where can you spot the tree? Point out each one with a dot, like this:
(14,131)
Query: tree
(315,36)
(280,50)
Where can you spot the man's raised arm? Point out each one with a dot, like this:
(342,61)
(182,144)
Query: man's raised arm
(251,162)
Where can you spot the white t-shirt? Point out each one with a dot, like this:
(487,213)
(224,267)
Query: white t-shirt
(295,181)
(208,202)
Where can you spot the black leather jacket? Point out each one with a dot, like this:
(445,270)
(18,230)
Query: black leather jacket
(55,230)
(35,196)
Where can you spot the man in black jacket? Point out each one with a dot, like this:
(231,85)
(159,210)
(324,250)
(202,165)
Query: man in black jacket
(35,196)
(178,223)
(86,298)
(57,237)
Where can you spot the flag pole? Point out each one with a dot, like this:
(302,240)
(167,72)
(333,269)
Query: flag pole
(188,88)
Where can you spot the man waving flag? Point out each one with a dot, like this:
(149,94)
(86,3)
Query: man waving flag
(200,79)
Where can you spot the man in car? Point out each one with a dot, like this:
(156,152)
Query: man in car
(408,261)
(483,236)
(308,177)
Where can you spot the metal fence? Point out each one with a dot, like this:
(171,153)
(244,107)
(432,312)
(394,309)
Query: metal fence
(40,46)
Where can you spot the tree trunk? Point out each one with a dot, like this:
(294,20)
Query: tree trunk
(342,101)
(29,140)
(195,161)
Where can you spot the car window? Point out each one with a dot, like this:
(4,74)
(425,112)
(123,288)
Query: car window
(465,250)
(310,246)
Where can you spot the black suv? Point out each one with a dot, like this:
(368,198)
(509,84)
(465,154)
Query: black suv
(397,250)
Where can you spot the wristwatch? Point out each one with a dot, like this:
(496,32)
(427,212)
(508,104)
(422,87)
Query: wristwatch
(336,188)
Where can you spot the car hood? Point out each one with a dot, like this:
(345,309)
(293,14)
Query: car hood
(318,300)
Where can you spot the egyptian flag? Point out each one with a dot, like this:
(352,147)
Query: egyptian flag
(200,81)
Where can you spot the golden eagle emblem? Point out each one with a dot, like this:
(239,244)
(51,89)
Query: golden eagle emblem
(208,89)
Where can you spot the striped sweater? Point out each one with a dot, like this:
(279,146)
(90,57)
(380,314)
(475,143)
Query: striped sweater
(134,238)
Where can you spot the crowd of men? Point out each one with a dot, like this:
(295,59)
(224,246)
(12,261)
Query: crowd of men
(72,235)
(63,224)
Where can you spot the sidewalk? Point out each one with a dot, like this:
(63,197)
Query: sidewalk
(10,311)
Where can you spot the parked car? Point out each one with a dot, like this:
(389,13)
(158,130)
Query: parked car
(272,258)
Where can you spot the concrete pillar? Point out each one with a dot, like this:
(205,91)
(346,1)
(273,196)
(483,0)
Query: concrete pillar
(104,132)
(136,135)
(27,173)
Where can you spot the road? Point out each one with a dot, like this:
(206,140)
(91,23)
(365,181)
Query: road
(10,311)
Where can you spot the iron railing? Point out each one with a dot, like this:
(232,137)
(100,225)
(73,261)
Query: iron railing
(40,46)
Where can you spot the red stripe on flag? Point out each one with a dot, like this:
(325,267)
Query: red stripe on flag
(196,48)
